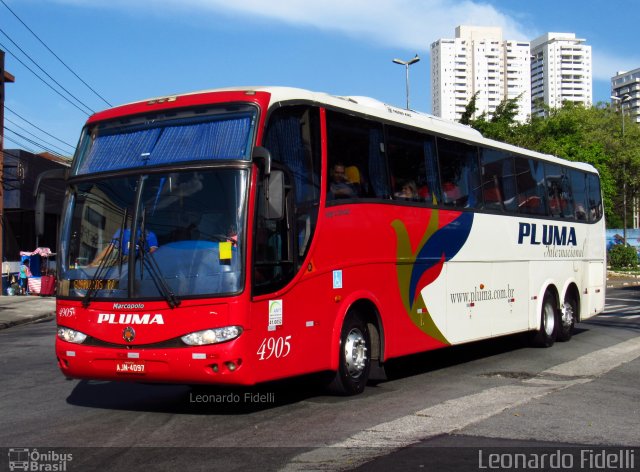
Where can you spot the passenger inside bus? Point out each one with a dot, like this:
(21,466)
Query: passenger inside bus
(451,193)
(353,177)
(408,191)
(150,245)
(340,187)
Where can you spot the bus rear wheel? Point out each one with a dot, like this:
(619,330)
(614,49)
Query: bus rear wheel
(549,322)
(568,319)
(354,361)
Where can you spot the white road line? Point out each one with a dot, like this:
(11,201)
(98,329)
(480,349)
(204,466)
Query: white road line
(620,313)
(456,414)
(614,307)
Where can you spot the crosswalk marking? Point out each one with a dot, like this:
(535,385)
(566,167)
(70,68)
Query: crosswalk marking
(624,299)
(614,307)
(621,311)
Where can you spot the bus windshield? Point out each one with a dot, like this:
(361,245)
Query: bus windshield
(187,232)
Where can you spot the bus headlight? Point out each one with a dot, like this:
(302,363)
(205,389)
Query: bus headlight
(212,336)
(71,335)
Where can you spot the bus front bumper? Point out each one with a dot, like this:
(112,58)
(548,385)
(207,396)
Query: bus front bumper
(213,364)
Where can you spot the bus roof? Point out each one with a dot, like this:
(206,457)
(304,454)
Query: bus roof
(374,108)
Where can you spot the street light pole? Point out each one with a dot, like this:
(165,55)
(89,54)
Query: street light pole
(624,98)
(406,64)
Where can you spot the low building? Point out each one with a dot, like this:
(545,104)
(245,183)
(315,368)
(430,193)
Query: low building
(21,169)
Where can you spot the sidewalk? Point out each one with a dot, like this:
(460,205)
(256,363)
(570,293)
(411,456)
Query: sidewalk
(617,280)
(16,310)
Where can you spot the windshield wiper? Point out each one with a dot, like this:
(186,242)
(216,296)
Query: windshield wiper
(106,259)
(148,260)
(100,271)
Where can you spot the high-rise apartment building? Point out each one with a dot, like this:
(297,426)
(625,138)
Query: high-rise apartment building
(479,61)
(626,86)
(560,71)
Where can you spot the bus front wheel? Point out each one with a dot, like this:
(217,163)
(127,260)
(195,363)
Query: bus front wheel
(354,361)
(549,322)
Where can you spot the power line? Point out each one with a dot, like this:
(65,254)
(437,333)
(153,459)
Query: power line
(46,73)
(26,148)
(33,135)
(44,81)
(35,143)
(56,56)
(36,127)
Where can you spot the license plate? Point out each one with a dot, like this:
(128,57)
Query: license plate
(130,367)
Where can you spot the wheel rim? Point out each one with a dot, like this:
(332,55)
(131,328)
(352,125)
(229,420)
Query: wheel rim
(355,353)
(549,319)
(567,315)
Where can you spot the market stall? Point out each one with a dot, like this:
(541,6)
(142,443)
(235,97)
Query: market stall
(43,280)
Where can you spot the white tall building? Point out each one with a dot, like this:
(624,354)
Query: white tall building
(626,86)
(479,61)
(560,71)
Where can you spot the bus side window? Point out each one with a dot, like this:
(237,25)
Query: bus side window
(459,174)
(579,188)
(498,180)
(413,166)
(595,198)
(293,139)
(558,191)
(356,146)
(531,197)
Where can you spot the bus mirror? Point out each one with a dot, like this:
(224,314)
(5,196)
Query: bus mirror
(47,175)
(39,196)
(262,154)
(275,195)
(40,214)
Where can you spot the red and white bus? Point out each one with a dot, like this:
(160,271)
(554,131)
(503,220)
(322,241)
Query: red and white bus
(281,232)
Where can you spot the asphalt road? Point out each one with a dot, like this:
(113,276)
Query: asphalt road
(438,411)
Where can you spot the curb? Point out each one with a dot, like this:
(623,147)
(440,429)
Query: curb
(34,319)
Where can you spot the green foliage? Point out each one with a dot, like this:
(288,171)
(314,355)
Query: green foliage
(501,126)
(469,110)
(577,133)
(621,257)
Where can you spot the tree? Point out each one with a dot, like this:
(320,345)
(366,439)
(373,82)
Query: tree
(469,110)
(502,123)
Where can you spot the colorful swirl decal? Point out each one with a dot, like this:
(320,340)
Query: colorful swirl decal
(419,267)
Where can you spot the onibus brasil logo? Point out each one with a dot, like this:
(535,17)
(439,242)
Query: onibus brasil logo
(34,460)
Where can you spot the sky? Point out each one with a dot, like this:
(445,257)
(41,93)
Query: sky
(129,50)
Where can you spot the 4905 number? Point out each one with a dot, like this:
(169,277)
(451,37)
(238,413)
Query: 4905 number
(274,347)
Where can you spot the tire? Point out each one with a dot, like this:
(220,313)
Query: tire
(354,361)
(549,322)
(568,319)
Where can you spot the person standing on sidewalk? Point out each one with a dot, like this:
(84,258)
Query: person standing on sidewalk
(25,273)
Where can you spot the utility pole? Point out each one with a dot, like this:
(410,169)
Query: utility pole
(5,77)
